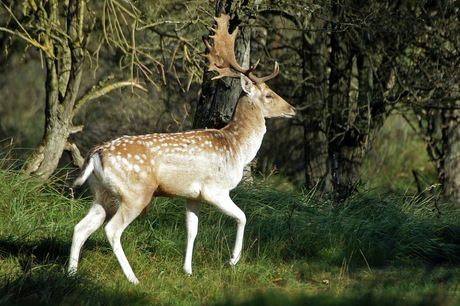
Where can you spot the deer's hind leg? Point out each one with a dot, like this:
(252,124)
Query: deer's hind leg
(130,207)
(104,206)
(88,225)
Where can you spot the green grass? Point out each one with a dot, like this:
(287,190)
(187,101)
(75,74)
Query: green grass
(371,249)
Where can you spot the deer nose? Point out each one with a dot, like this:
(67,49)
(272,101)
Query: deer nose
(292,112)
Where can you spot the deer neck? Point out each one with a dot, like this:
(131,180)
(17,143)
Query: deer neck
(246,129)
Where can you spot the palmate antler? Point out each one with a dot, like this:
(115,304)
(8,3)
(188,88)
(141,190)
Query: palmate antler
(222,58)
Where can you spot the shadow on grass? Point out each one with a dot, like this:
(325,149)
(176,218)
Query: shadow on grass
(34,252)
(42,279)
(40,251)
(45,286)
(355,298)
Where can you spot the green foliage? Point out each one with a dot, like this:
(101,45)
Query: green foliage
(396,152)
(372,248)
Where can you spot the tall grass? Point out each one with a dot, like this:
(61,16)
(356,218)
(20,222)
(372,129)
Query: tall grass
(367,229)
(298,248)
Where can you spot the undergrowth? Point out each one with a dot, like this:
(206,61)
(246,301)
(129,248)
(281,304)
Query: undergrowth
(371,248)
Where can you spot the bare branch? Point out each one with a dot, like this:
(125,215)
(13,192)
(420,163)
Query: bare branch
(101,89)
(47,49)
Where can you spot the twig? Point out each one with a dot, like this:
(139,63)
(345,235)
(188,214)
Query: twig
(31,41)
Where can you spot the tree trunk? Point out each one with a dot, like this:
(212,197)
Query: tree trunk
(218,98)
(314,89)
(450,171)
(351,109)
(64,68)
(46,158)
(341,134)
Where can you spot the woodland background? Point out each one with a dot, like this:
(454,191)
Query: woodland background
(353,202)
(346,65)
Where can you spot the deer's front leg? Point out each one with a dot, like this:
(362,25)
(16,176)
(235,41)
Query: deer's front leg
(223,201)
(192,214)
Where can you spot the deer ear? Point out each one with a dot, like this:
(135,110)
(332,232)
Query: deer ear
(246,84)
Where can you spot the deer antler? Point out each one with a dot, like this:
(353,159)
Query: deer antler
(221,55)
(276,70)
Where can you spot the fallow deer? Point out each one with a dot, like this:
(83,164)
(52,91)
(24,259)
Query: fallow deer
(196,165)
